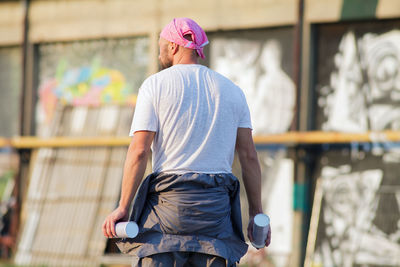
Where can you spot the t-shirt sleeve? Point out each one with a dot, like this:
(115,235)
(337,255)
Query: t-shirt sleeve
(145,117)
(245,118)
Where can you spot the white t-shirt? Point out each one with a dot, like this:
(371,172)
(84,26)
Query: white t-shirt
(195,113)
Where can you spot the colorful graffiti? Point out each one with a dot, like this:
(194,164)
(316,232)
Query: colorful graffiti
(84,86)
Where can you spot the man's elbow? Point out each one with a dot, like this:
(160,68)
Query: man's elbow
(249,155)
(139,154)
(252,156)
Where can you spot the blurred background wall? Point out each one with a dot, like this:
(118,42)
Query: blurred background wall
(322,80)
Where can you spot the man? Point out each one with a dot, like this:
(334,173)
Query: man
(188,210)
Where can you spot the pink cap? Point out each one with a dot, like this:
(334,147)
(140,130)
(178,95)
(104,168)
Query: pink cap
(179,27)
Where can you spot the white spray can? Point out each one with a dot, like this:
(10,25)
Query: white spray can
(260,230)
(126,230)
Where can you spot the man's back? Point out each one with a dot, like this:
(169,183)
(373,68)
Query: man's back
(195,112)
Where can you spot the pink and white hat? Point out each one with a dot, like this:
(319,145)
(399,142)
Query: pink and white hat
(179,27)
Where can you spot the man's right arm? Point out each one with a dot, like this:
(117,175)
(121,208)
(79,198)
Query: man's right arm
(251,174)
(134,169)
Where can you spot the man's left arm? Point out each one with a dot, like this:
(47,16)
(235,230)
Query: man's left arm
(251,174)
(134,168)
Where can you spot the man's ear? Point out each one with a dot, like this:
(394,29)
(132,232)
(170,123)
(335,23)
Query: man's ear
(174,48)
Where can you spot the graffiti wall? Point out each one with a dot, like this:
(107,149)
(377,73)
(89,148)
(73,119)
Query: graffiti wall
(359,218)
(358,78)
(259,62)
(85,89)
(91,73)
(10,90)
(357,89)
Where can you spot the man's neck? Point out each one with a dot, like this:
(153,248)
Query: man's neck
(184,59)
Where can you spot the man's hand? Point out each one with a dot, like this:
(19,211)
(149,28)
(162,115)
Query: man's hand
(250,232)
(109,224)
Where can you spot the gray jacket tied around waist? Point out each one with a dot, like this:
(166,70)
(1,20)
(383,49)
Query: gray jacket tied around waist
(190,212)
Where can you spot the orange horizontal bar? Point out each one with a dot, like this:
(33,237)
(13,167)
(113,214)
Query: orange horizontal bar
(319,137)
(291,138)
(4,142)
(38,142)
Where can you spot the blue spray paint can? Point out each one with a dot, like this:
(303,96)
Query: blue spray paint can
(126,229)
(260,230)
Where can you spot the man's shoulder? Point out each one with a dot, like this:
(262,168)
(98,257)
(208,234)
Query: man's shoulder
(228,84)
(155,79)
(158,75)
(221,78)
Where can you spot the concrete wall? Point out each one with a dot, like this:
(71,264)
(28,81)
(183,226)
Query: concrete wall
(59,28)
(52,21)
